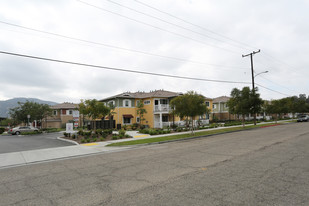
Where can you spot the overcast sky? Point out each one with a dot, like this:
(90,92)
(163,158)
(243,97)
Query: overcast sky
(191,38)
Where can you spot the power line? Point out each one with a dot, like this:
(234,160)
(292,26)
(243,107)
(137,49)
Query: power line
(193,24)
(156,27)
(121,70)
(173,24)
(273,90)
(134,71)
(116,47)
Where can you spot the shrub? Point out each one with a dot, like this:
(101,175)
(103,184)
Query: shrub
(122,132)
(127,136)
(88,140)
(2,130)
(102,139)
(66,134)
(108,131)
(73,136)
(94,139)
(99,131)
(179,129)
(115,137)
(80,132)
(83,141)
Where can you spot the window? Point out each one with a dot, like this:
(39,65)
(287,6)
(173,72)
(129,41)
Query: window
(146,102)
(214,106)
(163,101)
(55,112)
(64,111)
(126,120)
(137,102)
(70,112)
(207,103)
(126,103)
(112,103)
(165,118)
(138,119)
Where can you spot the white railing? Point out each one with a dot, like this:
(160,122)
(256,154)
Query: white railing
(168,124)
(162,108)
(180,123)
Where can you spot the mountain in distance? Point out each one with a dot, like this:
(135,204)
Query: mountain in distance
(11,103)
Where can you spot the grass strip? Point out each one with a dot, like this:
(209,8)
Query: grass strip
(184,136)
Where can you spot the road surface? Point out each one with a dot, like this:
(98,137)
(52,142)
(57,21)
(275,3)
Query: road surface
(268,166)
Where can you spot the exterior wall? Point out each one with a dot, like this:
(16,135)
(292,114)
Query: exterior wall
(120,111)
(58,120)
(149,117)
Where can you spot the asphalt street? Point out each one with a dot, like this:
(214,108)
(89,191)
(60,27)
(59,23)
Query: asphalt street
(17,143)
(267,166)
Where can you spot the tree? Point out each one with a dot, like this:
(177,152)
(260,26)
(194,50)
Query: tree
(244,102)
(255,103)
(94,109)
(141,111)
(111,112)
(190,105)
(35,110)
(83,110)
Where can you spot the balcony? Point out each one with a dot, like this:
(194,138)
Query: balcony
(164,108)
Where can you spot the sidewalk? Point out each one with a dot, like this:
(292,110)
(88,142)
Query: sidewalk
(35,156)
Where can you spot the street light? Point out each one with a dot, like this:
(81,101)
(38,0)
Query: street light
(260,73)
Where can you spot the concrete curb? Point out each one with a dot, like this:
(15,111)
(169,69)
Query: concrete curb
(67,140)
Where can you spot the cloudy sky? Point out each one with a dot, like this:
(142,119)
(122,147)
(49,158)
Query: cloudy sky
(190,38)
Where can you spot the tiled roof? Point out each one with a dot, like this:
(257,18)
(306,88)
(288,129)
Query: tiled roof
(143,95)
(65,105)
(221,99)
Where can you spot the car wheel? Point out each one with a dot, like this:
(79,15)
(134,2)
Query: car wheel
(17,133)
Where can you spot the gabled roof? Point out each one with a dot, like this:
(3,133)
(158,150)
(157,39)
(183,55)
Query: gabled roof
(221,99)
(143,95)
(65,105)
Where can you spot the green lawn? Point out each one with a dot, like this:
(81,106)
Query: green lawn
(184,136)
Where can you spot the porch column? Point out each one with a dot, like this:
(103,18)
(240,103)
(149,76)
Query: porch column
(161,126)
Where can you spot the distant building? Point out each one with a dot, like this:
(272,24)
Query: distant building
(61,114)
(221,110)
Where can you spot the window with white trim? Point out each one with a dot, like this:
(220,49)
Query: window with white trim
(126,103)
(207,103)
(146,102)
(138,119)
(111,103)
(214,106)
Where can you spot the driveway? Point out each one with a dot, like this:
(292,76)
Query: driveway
(17,143)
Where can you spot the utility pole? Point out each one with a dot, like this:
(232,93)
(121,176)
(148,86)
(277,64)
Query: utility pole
(252,73)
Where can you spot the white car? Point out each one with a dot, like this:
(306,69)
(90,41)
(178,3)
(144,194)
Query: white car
(21,129)
(303,118)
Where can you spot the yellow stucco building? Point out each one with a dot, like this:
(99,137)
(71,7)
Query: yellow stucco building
(156,103)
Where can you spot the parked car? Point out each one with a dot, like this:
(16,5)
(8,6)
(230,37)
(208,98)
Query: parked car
(303,118)
(19,130)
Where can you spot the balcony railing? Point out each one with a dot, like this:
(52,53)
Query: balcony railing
(162,108)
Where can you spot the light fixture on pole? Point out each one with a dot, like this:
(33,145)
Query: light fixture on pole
(260,73)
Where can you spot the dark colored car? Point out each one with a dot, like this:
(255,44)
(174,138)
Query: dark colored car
(303,118)
(19,130)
